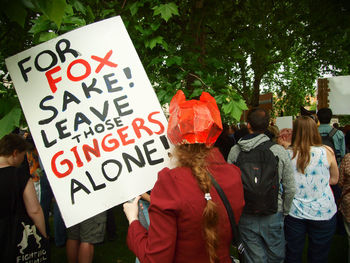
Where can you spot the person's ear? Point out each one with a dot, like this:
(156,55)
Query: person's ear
(15,153)
(249,127)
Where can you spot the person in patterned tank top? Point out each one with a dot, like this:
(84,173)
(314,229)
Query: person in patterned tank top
(313,208)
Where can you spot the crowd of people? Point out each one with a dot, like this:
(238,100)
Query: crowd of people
(283,186)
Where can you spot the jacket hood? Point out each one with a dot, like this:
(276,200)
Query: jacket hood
(251,141)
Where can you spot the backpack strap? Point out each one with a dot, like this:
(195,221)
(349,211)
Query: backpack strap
(266,144)
(332,132)
(237,241)
(337,152)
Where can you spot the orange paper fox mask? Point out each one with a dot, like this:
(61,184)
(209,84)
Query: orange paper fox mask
(194,121)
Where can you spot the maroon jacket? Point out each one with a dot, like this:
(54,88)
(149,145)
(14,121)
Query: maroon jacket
(177,203)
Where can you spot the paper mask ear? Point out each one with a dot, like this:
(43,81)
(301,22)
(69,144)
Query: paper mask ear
(194,121)
(176,100)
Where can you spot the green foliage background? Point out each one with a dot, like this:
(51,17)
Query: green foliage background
(234,50)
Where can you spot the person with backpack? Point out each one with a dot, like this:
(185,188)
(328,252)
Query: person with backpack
(269,188)
(336,140)
(330,135)
(313,209)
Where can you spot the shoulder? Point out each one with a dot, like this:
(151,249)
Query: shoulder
(340,134)
(168,193)
(320,148)
(232,156)
(23,175)
(279,151)
(169,178)
(324,128)
(325,148)
(167,173)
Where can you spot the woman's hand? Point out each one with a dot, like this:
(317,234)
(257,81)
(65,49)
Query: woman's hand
(131,209)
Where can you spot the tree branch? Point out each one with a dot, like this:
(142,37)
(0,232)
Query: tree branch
(195,76)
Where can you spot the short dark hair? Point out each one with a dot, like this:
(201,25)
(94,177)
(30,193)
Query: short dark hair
(11,142)
(324,115)
(259,119)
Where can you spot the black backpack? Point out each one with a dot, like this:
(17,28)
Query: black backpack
(327,139)
(260,179)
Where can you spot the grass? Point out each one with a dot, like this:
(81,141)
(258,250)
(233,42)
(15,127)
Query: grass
(117,251)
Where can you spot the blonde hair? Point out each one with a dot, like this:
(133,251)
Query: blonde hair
(305,134)
(194,156)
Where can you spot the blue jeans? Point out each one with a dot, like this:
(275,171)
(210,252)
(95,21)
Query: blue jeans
(320,234)
(262,237)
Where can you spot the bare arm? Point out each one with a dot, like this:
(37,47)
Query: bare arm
(33,207)
(333,169)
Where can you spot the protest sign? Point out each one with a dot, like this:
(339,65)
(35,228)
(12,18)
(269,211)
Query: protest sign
(339,95)
(334,93)
(94,117)
(284,122)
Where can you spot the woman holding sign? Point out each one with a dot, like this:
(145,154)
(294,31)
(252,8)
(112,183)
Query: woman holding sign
(188,220)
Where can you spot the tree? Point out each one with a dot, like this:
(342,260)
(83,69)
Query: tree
(232,49)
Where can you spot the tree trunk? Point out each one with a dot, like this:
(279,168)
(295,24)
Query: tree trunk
(254,100)
(199,38)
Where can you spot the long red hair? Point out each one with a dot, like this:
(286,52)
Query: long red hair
(194,156)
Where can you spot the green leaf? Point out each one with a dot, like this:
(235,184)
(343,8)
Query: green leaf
(242,105)
(220,99)
(154,41)
(155,26)
(68,11)
(39,25)
(166,10)
(196,92)
(135,7)
(107,12)
(28,4)
(74,21)
(54,10)
(233,109)
(165,45)
(45,36)
(139,28)
(236,113)
(197,83)
(90,14)
(174,60)
(10,121)
(79,7)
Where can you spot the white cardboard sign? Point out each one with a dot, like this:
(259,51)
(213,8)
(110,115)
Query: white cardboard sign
(94,116)
(284,122)
(339,95)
